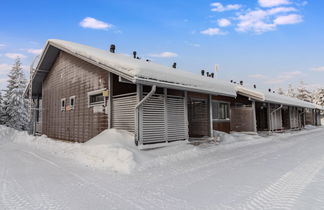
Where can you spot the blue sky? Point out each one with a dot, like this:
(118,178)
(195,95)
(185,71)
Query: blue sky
(271,43)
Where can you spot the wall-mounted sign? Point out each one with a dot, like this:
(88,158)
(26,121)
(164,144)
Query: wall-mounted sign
(105,93)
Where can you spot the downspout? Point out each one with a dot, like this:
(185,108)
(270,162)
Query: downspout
(271,113)
(137,139)
(300,114)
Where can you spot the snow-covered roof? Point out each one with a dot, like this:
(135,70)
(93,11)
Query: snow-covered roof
(140,71)
(256,95)
(286,100)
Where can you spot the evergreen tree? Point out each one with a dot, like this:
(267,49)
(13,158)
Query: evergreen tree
(303,93)
(1,109)
(319,97)
(15,105)
(291,91)
(280,91)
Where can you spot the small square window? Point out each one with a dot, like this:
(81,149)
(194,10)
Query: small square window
(63,104)
(72,102)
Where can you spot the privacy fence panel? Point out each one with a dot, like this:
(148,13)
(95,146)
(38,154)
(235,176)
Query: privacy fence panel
(163,119)
(123,112)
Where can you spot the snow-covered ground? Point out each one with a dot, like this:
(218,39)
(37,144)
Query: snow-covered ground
(281,171)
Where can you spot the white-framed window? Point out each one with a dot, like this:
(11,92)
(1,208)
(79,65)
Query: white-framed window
(96,98)
(63,104)
(221,110)
(72,102)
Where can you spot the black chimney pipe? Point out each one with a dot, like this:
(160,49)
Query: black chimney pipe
(202,72)
(231,81)
(241,82)
(254,86)
(134,54)
(270,90)
(174,65)
(212,75)
(112,48)
(207,74)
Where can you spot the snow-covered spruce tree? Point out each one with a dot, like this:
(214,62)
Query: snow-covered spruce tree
(303,93)
(15,105)
(1,110)
(280,91)
(319,97)
(291,91)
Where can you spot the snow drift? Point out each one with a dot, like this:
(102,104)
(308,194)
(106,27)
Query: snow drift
(111,149)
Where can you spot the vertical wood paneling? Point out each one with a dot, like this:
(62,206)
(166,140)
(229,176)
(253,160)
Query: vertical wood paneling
(71,76)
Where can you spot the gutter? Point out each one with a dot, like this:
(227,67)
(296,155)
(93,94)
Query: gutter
(138,128)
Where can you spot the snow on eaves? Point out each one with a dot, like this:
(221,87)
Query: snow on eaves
(149,72)
(286,100)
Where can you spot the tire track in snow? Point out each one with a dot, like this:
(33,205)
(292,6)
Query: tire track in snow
(285,191)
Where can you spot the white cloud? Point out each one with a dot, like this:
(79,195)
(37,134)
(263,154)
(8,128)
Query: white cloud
(318,69)
(213,31)
(261,20)
(219,7)
(164,55)
(4,68)
(34,51)
(15,55)
(288,19)
(2,45)
(254,21)
(93,23)
(192,44)
(258,76)
(285,76)
(223,22)
(273,3)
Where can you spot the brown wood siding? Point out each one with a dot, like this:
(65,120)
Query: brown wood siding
(198,115)
(242,119)
(224,126)
(71,76)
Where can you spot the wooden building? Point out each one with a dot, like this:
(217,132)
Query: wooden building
(78,91)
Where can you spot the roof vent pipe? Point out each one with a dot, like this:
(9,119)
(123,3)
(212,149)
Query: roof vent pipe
(270,90)
(254,86)
(174,65)
(207,74)
(134,54)
(112,48)
(202,72)
(231,81)
(241,82)
(212,75)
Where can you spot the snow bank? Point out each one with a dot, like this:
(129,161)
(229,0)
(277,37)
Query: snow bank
(112,149)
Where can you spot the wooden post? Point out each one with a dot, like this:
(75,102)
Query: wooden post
(254,117)
(165,115)
(186,113)
(210,116)
(110,99)
(269,118)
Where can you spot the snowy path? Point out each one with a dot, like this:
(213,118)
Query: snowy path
(287,173)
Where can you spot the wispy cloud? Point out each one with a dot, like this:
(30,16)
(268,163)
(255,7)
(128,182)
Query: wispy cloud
(288,19)
(219,7)
(258,76)
(35,51)
(284,76)
(223,22)
(2,46)
(192,44)
(213,32)
(260,20)
(164,55)
(318,69)
(273,3)
(15,55)
(4,68)
(93,23)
